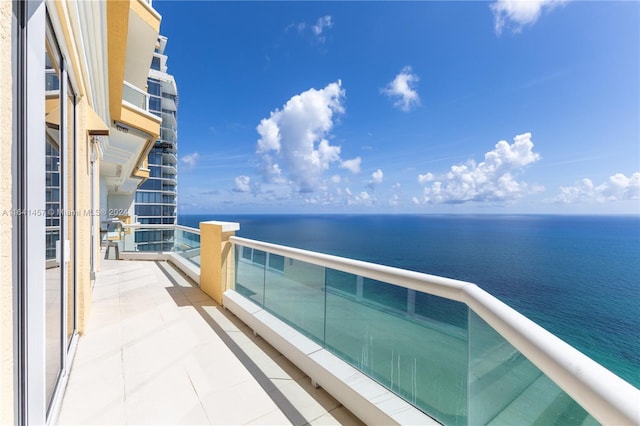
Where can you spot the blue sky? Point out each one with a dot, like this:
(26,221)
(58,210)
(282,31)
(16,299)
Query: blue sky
(406,107)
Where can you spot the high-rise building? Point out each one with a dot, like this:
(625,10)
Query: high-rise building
(156,199)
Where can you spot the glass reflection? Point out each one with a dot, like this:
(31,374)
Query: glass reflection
(53,273)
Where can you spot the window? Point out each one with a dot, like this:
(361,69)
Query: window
(155,63)
(153,87)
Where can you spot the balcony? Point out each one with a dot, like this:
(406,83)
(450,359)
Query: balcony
(135,96)
(169,171)
(158,350)
(169,158)
(393,346)
(169,104)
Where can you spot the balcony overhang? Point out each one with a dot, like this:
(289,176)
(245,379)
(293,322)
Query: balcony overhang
(133,29)
(124,157)
(95,125)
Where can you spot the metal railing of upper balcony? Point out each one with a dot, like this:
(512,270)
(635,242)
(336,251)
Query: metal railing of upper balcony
(169,119)
(446,346)
(135,96)
(138,238)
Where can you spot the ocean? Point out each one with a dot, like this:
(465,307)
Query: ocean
(576,276)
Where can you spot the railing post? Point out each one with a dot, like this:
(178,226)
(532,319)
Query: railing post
(216,257)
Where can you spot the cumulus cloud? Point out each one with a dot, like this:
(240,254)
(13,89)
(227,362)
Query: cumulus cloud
(242,184)
(376,177)
(402,89)
(492,180)
(293,141)
(618,187)
(427,177)
(352,165)
(519,13)
(190,160)
(320,25)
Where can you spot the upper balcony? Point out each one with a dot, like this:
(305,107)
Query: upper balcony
(393,346)
(132,28)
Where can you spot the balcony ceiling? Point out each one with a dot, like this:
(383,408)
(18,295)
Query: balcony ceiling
(120,154)
(140,46)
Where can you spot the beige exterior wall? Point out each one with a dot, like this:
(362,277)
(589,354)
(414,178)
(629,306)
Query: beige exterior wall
(6,282)
(84,218)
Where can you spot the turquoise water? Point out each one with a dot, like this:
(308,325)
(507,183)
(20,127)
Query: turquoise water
(578,277)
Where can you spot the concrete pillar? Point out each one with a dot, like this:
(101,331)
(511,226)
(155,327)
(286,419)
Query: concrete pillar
(216,257)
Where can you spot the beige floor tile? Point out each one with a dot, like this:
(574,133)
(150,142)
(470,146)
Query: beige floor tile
(88,371)
(310,402)
(95,403)
(239,404)
(274,418)
(337,416)
(165,398)
(212,370)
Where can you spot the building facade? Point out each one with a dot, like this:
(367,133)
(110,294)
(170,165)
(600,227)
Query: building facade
(156,199)
(75,135)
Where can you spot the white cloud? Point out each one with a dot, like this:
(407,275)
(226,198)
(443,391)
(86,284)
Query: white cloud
(242,184)
(293,141)
(618,187)
(427,177)
(493,180)
(322,23)
(376,177)
(336,178)
(190,160)
(519,13)
(403,88)
(352,165)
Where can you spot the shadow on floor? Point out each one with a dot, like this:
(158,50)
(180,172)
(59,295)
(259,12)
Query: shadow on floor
(176,292)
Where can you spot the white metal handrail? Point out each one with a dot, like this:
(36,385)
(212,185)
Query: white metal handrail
(607,397)
(158,226)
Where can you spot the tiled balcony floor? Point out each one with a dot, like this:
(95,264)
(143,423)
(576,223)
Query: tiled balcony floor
(159,351)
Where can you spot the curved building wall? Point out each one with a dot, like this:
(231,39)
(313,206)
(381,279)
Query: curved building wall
(156,199)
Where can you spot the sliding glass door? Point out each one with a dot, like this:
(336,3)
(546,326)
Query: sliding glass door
(60,217)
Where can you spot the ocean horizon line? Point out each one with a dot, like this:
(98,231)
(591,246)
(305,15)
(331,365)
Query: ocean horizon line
(421,214)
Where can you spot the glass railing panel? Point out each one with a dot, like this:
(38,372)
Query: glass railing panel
(146,239)
(505,388)
(435,353)
(135,96)
(372,326)
(187,245)
(250,269)
(294,292)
